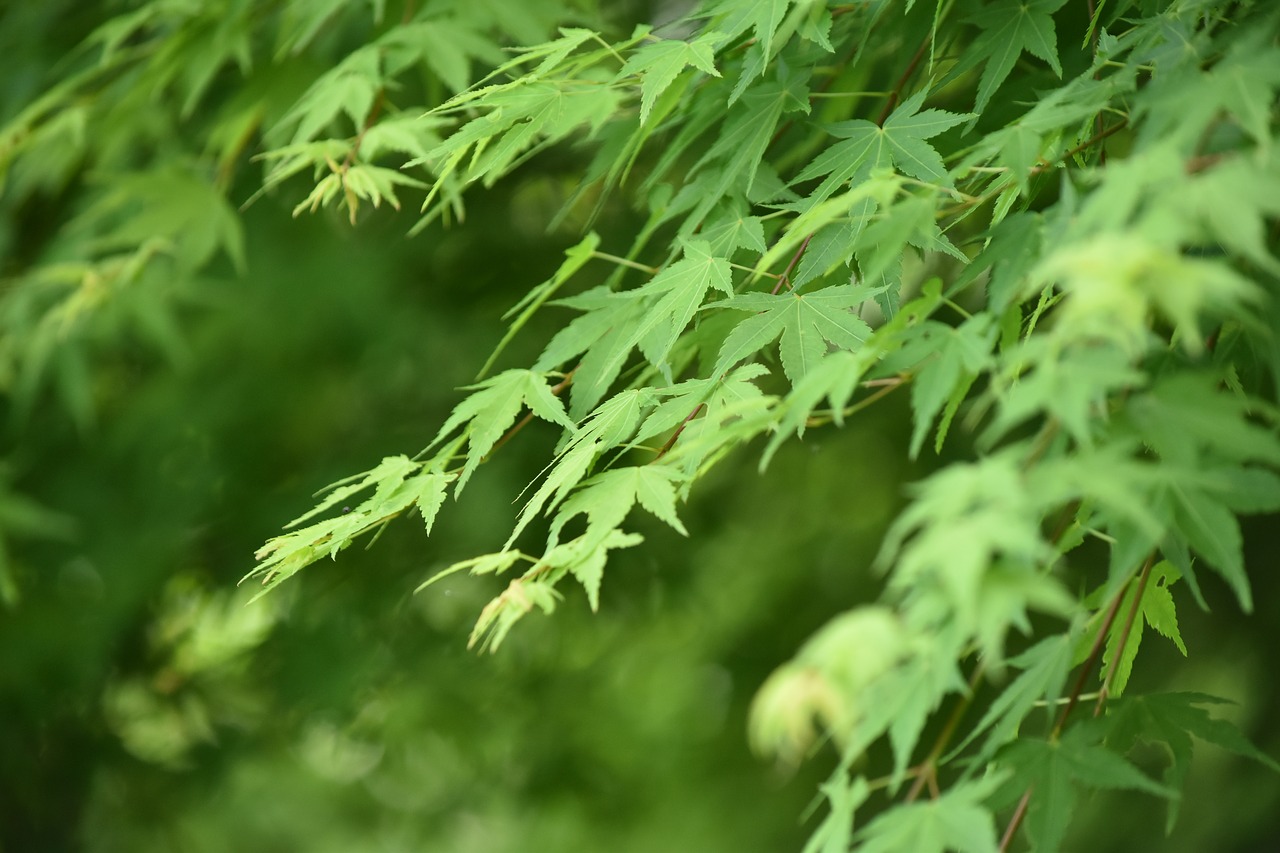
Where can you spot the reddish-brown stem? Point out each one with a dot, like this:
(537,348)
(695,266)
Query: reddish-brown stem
(1018,814)
(1124,634)
(374,112)
(1095,654)
(1088,143)
(662,451)
(927,772)
(892,100)
(795,259)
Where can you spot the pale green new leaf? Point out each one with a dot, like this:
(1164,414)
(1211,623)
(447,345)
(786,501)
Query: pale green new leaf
(501,614)
(607,498)
(485,564)
(398,484)
(613,423)
(585,559)
(492,409)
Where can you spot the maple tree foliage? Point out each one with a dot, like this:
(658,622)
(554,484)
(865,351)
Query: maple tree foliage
(1050,226)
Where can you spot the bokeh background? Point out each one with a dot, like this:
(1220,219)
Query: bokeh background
(145,706)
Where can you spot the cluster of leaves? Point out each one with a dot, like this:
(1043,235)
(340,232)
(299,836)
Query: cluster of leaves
(1075,277)
(1051,227)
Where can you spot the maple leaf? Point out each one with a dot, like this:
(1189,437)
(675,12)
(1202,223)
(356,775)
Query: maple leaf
(603,353)
(1055,771)
(1010,27)
(959,353)
(613,423)
(957,820)
(709,397)
(398,484)
(673,296)
(737,152)
(659,63)
(806,322)
(1172,719)
(1156,609)
(492,409)
(608,497)
(1044,674)
(764,17)
(900,142)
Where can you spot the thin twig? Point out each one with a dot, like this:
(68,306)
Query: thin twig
(1095,654)
(927,772)
(662,451)
(1088,143)
(1124,635)
(785,278)
(902,81)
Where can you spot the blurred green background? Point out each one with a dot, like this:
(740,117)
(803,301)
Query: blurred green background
(145,707)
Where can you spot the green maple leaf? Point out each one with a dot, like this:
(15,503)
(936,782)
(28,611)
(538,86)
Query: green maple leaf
(398,484)
(1157,610)
(806,323)
(1173,719)
(900,142)
(837,376)
(659,63)
(712,414)
(1010,27)
(764,17)
(493,408)
(608,497)
(613,423)
(652,317)
(1242,85)
(957,820)
(673,296)
(735,232)
(735,157)
(1214,532)
(958,353)
(1056,771)
(1044,674)
(592,335)
(711,394)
